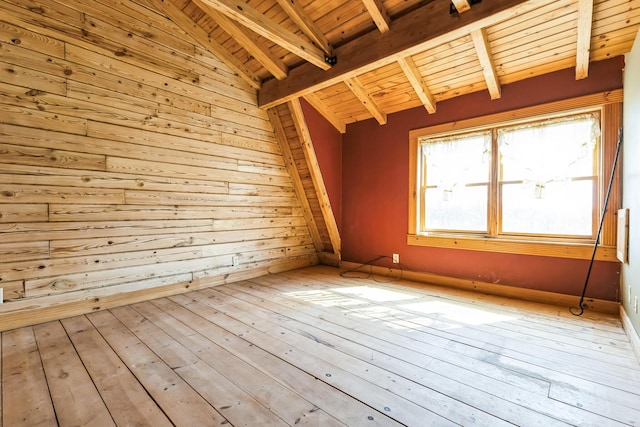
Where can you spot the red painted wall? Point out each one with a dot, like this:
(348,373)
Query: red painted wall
(375,180)
(327,142)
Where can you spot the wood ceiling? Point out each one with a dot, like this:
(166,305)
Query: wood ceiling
(358,59)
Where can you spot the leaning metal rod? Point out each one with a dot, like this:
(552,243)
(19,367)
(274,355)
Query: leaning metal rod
(581,304)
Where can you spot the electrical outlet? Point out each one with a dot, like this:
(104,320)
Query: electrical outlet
(396,258)
(235,260)
(1,295)
(635,305)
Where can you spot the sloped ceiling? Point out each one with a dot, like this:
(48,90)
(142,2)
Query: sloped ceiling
(360,59)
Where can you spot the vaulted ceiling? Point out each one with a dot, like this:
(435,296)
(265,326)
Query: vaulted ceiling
(360,59)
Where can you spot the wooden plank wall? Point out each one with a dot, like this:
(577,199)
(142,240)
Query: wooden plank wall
(131,160)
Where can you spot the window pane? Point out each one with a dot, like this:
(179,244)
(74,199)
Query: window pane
(456,180)
(464,209)
(548,151)
(547,174)
(560,208)
(458,160)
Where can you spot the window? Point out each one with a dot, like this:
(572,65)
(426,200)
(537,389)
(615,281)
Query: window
(515,183)
(546,174)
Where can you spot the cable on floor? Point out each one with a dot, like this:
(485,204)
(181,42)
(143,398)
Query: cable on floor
(356,273)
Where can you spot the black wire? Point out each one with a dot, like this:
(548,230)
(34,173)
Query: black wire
(582,305)
(369,275)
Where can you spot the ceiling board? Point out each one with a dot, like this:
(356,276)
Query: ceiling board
(539,38)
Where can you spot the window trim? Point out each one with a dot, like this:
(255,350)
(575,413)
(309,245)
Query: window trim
(610,105)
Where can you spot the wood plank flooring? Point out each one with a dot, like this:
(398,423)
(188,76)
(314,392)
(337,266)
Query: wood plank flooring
(311,348)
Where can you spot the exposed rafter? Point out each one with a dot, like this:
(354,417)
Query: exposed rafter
(483,50)
(316,175)
(408,36)
(239,11)
(321,108)
(290,163)
(585,23)
(378,14)
(362,94)
(436,34)
(203,39)
(248,40)
(306,25)
(417,82)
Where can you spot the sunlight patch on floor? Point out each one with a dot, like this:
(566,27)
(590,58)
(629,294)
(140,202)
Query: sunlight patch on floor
(399,320)
(456,312)
(390,308)
(374,294)
(325,298)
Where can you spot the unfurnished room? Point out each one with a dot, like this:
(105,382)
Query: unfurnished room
(319,213)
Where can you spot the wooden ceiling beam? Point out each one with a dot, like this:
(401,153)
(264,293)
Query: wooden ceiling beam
(248,40)
(585,24)
(363,95)
(378,14)
(244,14)
(425,28)
(321,108)
(202,38)
(483,50)
(306,25)
(417,82)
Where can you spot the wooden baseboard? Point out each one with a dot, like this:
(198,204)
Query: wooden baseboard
(32,311)
(634,336)
(602,306)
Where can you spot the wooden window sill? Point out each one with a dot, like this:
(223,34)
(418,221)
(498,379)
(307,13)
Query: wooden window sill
(521,247)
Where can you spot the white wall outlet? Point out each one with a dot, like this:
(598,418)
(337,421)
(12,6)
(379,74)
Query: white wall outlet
(396,258)
(635,305)
(235,260)
(1,295)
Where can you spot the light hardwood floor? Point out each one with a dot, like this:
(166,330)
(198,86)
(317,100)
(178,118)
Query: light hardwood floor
(311,348)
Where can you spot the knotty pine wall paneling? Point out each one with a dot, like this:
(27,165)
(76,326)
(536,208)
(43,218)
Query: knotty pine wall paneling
(131,161)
